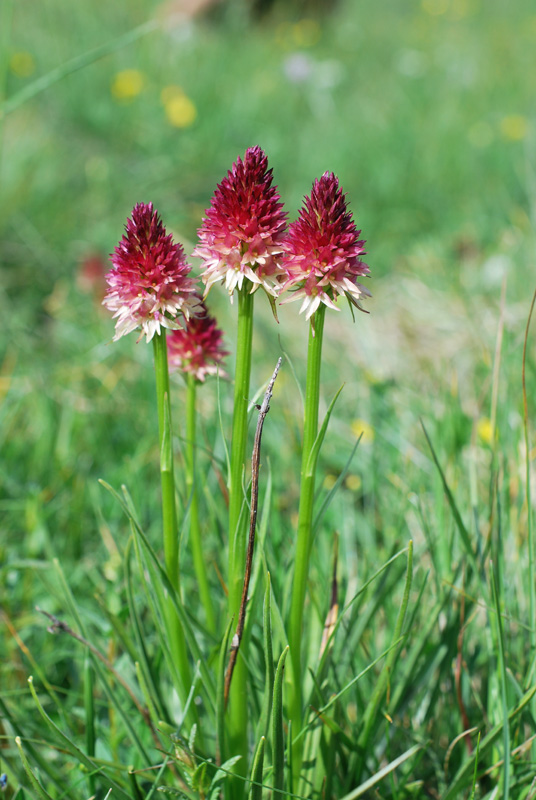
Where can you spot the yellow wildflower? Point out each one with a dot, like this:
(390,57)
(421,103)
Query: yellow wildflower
(353,483)
(306,32)
(361,428)
(330,481)
(127,84)
(484,430)
(22,64)
(514,127)
(180,110)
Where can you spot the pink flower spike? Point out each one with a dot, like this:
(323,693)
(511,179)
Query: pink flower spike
(197,349)
(323,249)
(148,284)
(242,232)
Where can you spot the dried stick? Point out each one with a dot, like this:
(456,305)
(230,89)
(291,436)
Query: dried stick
(255,462)
(59,626)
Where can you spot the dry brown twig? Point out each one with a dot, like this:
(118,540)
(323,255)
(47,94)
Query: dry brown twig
(255,462)
(60,626)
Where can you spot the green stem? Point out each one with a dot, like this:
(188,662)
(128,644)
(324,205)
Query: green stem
(89,707)
(238,712)
(169,509)
(199,557)
(305,522)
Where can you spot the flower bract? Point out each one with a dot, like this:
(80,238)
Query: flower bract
(323,250)
(148,285)
(242,232)
(198,347)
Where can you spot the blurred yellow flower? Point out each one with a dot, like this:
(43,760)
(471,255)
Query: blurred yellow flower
(180,110)
(306,32)
(514,127)
(330,481)
(484,430)
(22,64)
(361,428)
(353,483)
(435,7)
(127,84)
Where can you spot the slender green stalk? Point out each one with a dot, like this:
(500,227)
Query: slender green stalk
(530,532)
(89,708)
(305,526)
(195,528)
(169,509)
(238,713)
(78,62)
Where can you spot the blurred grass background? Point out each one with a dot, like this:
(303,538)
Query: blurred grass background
(425,110)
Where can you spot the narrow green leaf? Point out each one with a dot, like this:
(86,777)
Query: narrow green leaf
(278,737)
(142,658)
(335,488)
(154,787)
(222,773)
(394,645)
(260,538)
(502,660)
(37,758)
(89,708)
(315,450)
(220,692)
(264,719)
(195,650)
(371,710)
(325,655)
(71,747)
(462,780)
(33,780)
(75,64)
(290,762)
(156,601)
(147,696)
(255,790)
(111,695)
(464,534)
(381,774)
(137,795)
(473,788)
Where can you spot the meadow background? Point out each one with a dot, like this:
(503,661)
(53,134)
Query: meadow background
(425,111)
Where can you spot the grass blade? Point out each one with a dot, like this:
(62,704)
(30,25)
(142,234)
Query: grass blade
(71,747)
(504,700)
(75,64)
(208,681)
(315,450)
(220,692)
(463,777)
(278,736)
(464,533)
(264,719)
(255,791)
(381,774)
(33,780)
(379,689)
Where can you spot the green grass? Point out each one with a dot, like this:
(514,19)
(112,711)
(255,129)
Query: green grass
(415,111)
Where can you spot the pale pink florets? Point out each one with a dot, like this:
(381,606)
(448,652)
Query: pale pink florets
(242,232)
(323,249)
(148,285)
(198,348)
